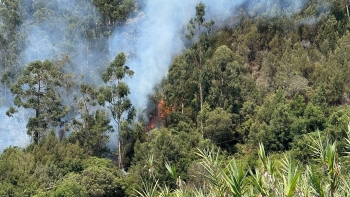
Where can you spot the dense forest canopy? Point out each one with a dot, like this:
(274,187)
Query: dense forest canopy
(174,98)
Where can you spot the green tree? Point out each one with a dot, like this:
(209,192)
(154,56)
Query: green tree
(37,89)
(178,83)
(10,12)
(116,95)
(91,125)
(70,187)
(11,41)
(101,181)
(273,123)
(218,127)
(224,77)
(91,132)
(195,28)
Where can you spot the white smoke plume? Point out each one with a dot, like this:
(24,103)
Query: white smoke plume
(156,35)
(151,38)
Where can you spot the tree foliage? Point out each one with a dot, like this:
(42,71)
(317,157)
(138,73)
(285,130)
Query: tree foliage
(37,89)
(255,106)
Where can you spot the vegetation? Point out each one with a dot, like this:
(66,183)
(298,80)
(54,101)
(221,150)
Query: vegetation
(254,107)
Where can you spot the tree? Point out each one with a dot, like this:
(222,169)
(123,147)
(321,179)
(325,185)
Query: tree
(177,83)
(218,128)
(91,124)
(195,28)
(273,123)
(116,95)
(101,181)
(37,89)
(225,80)
(10,42)
(10,14)
(91,132)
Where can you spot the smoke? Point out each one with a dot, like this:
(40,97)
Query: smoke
(60,27)
(156,34)
(151,38)
(13,129)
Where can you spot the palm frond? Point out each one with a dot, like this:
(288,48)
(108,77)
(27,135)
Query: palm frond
(236,179)
(290,175)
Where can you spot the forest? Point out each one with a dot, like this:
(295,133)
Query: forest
(170,98)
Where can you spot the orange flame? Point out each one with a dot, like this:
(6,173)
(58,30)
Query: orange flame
(159,115)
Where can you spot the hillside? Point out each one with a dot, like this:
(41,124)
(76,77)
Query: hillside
(152,98)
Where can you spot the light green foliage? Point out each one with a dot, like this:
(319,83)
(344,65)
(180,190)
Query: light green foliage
(224,76)
(236,179)
(290,175)
(117,91)
(115,94)
(70,187)
(100,182)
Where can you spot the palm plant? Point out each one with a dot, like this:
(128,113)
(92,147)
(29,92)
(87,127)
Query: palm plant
(149,189)
(265,182)
(235,178)
(172,170)
(328,158)
(164,192)
(287,180)
(214,173)
(290,175)
(258,182)
(314,182)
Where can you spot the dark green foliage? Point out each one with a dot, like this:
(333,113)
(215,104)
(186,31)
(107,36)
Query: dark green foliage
(91,126)
(100,181)
(91,132)
(274,80)
(37,89)
(113,11)
(218,127)
(165,146)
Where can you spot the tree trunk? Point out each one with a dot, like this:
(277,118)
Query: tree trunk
(182,107)
(119,122)
(347,8)
(201,103)
(36,133)
(201,95)
(119,146)
(37,113)
(119,154)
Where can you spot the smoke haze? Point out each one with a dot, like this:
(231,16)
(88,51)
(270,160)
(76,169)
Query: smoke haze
(151,38)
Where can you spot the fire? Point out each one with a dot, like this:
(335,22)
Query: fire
(152,121)
(158,116)
(163,111)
